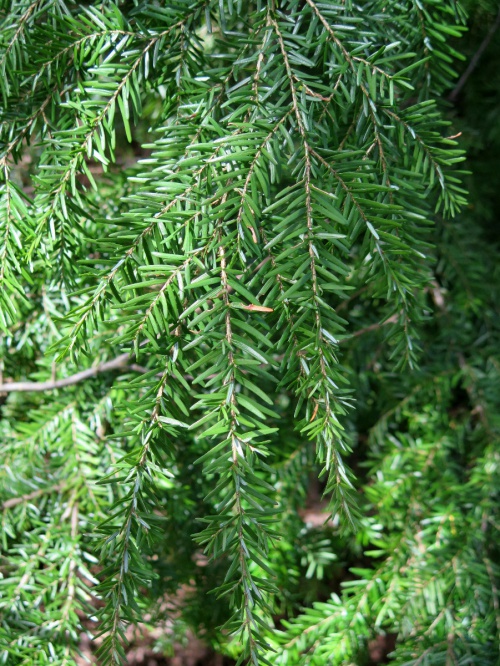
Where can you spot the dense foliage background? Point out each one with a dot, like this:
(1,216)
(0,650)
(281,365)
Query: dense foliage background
(249,330)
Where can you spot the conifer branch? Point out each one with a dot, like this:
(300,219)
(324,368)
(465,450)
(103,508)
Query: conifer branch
(287,166)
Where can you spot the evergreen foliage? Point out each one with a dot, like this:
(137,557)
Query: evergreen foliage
(268,289)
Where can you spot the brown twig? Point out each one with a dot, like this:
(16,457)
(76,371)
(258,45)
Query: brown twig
(373,327)
(119,363)
(474,60)
(14,501)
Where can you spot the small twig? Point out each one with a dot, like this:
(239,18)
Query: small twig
(14,501)
(474,60)
(119,363)
(373,327)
